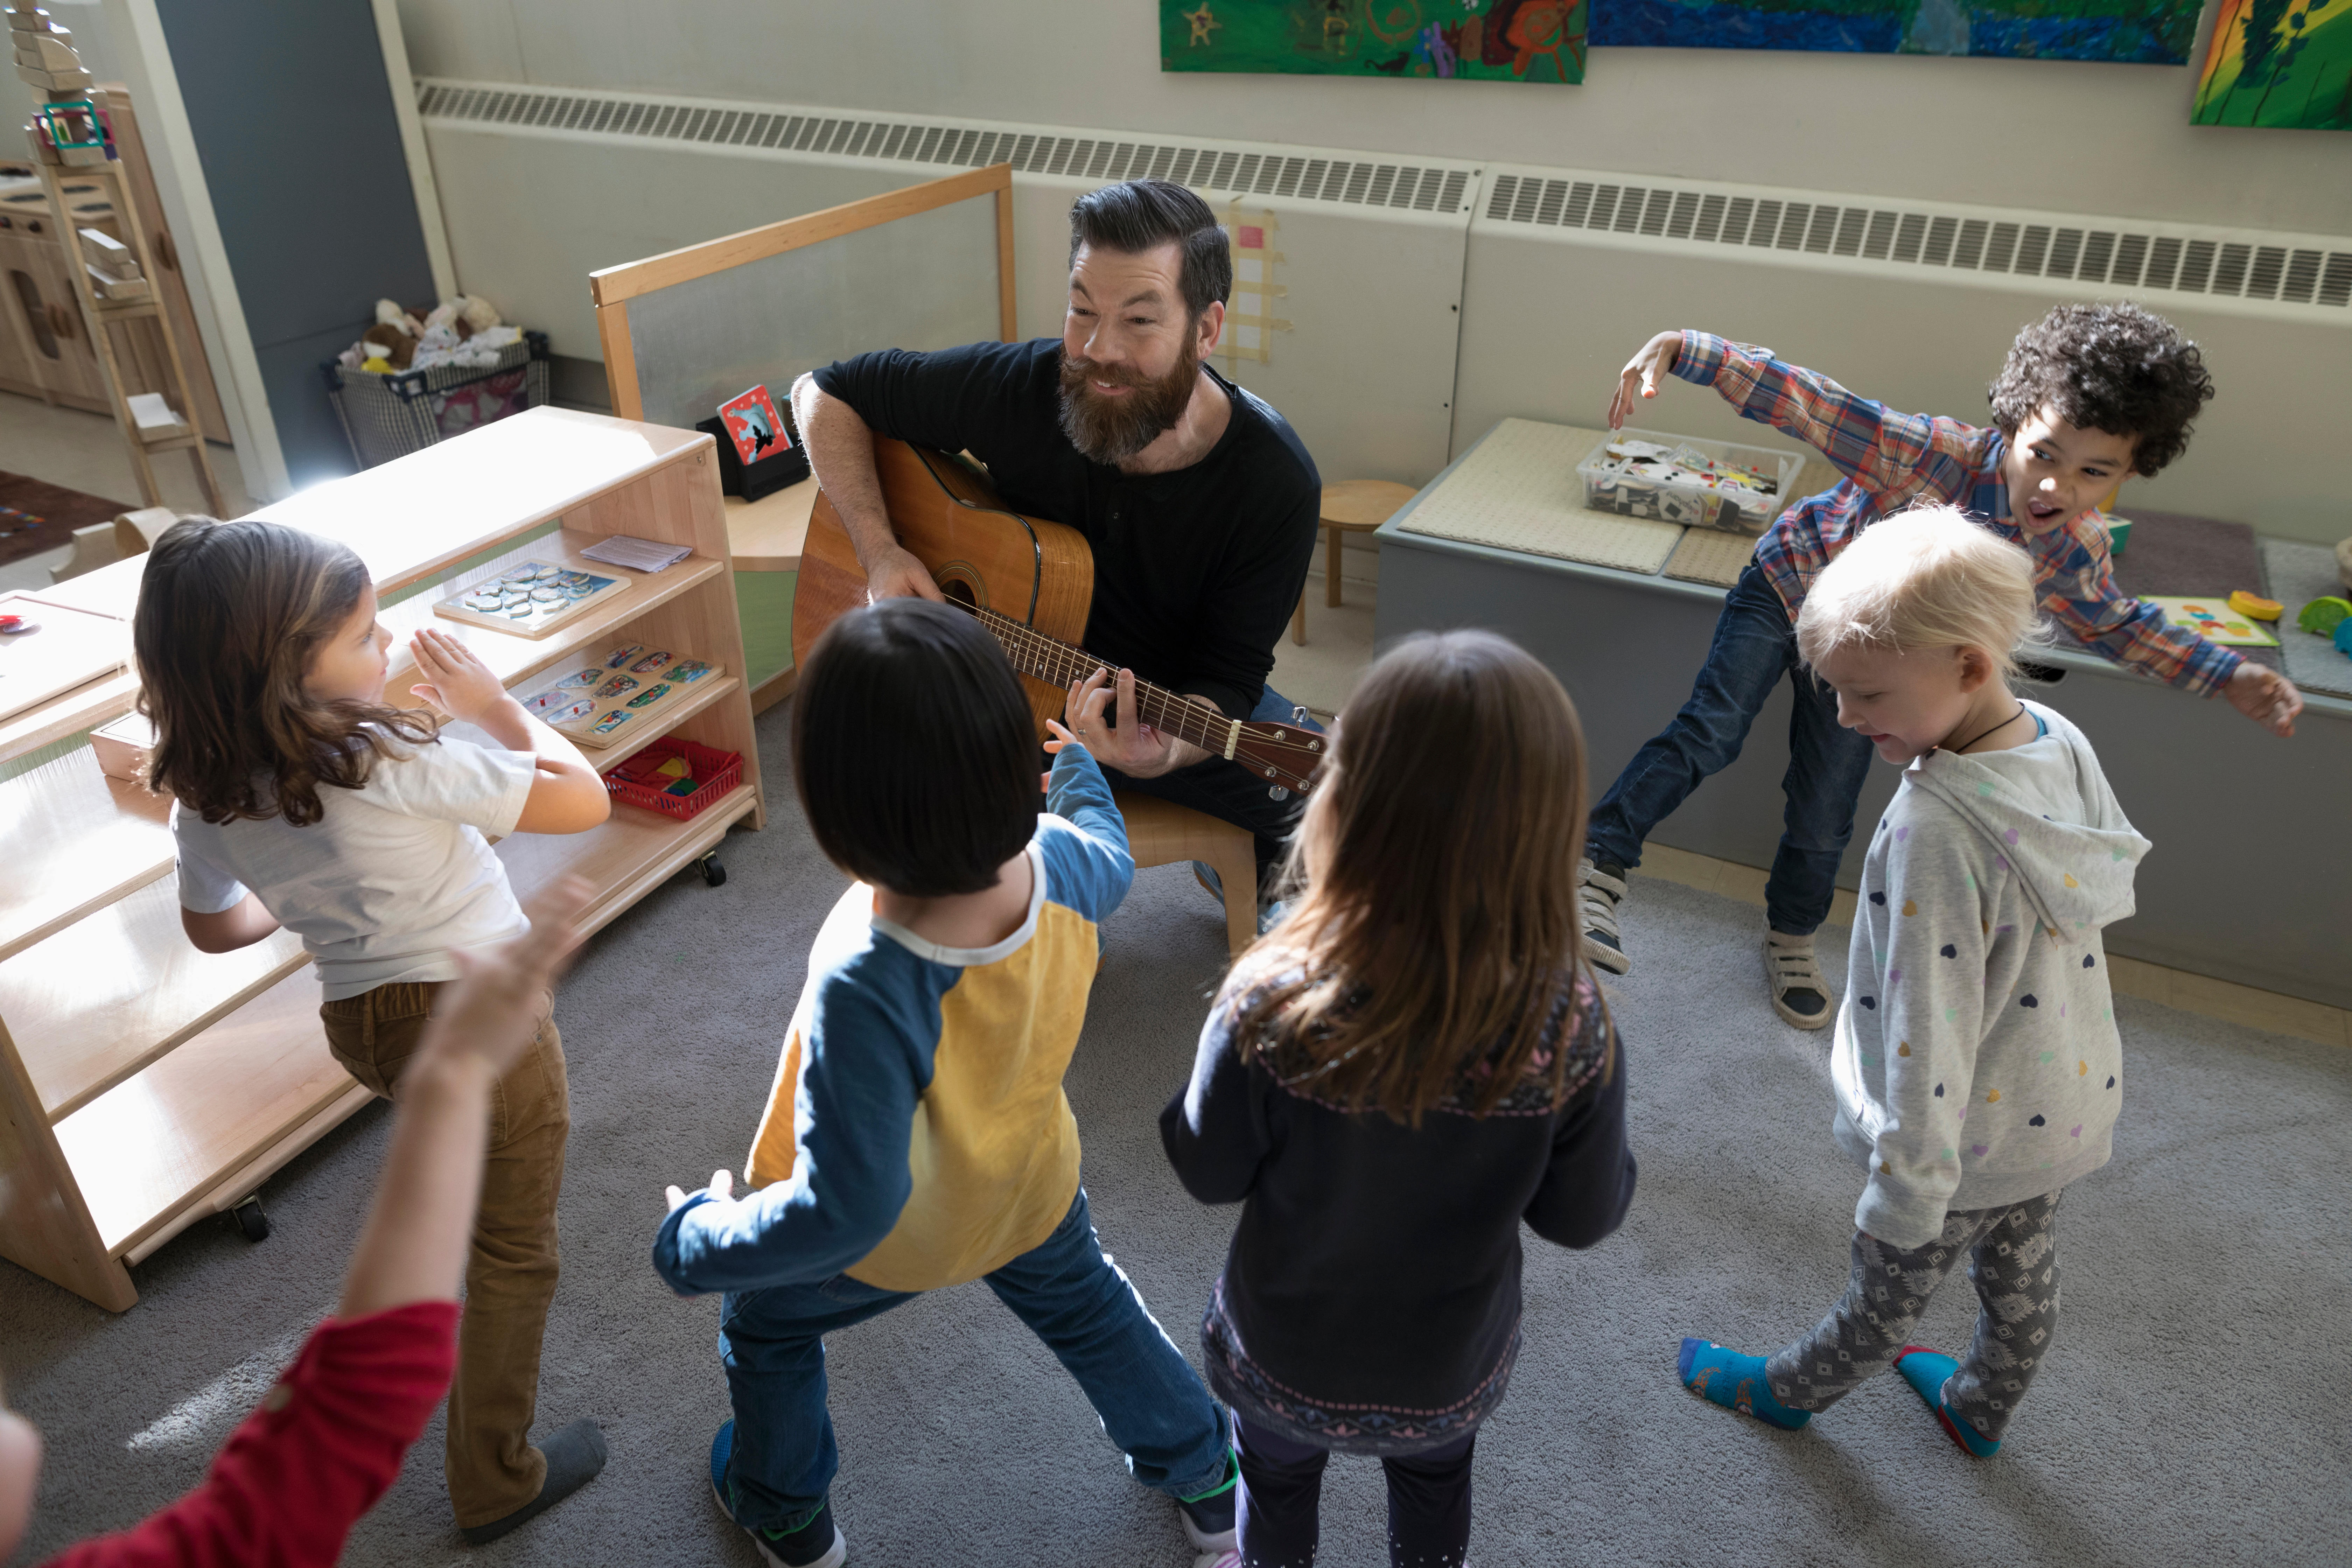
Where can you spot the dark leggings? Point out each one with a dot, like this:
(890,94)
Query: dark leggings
(1282,1483)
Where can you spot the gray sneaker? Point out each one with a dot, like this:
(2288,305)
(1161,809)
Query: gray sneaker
(1799,993)
(1601,889)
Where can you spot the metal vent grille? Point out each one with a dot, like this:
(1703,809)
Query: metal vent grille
(1413,187)
(2085,253)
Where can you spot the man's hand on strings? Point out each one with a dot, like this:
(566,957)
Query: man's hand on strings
(1129,744)
(897,574)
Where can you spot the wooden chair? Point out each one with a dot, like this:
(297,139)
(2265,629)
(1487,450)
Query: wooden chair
(1162,833)
(1351,506)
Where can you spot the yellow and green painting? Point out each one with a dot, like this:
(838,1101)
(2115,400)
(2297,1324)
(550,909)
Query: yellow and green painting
(1452,40)
(2283,63)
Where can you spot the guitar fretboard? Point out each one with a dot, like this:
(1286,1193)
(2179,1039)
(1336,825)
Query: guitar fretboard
(1034,654)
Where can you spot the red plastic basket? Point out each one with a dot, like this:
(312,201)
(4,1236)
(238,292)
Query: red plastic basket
(715,773)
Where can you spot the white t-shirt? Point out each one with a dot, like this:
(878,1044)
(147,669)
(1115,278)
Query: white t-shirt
(389,878)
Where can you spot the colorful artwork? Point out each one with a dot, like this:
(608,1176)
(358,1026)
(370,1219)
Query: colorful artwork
(2216,621)
(2285,63)
(1455,40)
(752,425)
(2143,32)
(1250,319)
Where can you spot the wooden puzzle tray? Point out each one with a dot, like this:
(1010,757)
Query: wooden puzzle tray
(622,695)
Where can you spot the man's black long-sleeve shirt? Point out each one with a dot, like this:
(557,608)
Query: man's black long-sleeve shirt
(1196,571)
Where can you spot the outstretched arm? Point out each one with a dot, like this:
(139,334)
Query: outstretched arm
(567,792)
(841,453)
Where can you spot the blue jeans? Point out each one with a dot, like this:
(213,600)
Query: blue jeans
(1234,794)
(1151,1402)
(1755,645)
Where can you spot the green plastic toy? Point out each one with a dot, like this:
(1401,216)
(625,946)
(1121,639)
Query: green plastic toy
(2321,617)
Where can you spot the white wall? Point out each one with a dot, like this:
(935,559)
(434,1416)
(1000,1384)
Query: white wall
(2094,138)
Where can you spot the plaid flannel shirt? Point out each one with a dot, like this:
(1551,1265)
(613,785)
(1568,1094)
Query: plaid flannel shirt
(1891,459)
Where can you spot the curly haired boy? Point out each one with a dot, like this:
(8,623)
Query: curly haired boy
(2089,396)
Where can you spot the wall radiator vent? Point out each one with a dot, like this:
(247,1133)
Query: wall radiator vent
(1226,167)
(2020,245)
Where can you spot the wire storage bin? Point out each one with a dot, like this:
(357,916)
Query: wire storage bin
(390,415)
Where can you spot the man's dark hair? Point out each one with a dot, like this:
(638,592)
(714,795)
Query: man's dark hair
(914,750)
(1137,215)
(2116,368)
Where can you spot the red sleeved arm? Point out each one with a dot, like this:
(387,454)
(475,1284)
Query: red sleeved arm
(326,1443)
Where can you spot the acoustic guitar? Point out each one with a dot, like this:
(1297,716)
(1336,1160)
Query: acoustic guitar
(1031,583)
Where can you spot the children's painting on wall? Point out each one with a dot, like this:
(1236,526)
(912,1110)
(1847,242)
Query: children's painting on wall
(2281,63)
(2142,32)
(1454,40)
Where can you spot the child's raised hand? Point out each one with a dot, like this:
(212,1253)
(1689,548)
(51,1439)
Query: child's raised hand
(492,1011)
(723,1187)
(1639,379)
(456,681)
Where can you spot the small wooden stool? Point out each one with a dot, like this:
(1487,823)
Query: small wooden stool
(1162,833)
(1351,506)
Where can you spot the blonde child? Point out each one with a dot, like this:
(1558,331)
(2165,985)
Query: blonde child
(1976,1061)
(301,800)
(1393,1077)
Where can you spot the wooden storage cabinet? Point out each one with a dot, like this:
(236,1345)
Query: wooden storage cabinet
(144,1085)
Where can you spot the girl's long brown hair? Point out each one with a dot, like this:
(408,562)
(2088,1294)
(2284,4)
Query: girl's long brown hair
(1434,927)
(230,618)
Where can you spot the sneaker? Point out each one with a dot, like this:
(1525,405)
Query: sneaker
(1799,995)
(1209,1519)
(1602,889)
(815,1544)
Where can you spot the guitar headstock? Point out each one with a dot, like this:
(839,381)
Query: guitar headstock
(1285,754)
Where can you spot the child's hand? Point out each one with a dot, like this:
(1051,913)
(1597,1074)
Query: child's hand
(455,681)
(2266,695)
(1639,379)
(723,1187)
(492,1010)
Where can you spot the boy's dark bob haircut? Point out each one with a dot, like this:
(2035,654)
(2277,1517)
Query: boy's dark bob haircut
(914,750)
(2116,368)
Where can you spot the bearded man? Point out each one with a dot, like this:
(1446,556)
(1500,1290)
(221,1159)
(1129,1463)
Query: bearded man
(1199,502)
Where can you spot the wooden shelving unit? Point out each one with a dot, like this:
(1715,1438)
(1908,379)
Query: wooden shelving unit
(144,1085)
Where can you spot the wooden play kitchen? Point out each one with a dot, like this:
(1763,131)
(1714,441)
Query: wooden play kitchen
(143,1085)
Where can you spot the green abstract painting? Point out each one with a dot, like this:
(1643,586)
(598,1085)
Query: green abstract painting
(1452,40)
(2286,63)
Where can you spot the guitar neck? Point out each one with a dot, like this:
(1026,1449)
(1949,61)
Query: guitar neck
(1051,660)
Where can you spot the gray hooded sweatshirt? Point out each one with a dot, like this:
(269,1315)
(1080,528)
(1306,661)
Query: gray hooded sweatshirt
(1976,1062)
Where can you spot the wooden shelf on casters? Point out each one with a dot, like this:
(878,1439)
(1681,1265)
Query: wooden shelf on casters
(632,852)
(165,1138)
(73,840)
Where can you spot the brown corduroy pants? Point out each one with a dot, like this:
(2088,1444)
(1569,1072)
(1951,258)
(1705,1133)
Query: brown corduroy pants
(492,1467)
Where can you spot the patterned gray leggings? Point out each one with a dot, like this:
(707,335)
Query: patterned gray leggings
(2012,1262)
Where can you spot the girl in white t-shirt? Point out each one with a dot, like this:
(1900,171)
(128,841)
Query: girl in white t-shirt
(301,800)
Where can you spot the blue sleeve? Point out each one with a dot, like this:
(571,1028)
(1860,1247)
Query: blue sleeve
(870,1049)
(1088,870)
(1217,1131)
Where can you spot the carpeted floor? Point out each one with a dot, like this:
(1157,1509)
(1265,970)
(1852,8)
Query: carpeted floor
(2192,1413)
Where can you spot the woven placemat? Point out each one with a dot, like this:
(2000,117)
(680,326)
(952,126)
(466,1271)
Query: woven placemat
(1707,555)
(1520,491)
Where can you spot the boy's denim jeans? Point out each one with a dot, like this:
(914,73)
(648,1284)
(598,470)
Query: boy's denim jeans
(1755,645)
(1151,1402)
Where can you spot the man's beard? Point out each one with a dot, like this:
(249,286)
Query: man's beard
(1109,430)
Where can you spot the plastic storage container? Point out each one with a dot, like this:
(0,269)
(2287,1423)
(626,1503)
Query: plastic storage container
(714,773)
(387,416)
(1722,485)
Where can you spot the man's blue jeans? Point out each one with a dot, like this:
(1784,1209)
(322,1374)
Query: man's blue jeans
(1755,645)
(1232,793)
(1153,1403)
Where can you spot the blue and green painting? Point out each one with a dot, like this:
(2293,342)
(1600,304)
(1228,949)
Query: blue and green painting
(2142,32)
(1452,40)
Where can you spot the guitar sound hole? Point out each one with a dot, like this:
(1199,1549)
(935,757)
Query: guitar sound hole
(960,590)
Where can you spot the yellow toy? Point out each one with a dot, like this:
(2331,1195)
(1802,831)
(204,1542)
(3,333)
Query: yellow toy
(2254,605)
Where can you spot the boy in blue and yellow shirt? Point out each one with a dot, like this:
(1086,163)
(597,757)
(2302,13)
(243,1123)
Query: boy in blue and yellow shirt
(918,1136)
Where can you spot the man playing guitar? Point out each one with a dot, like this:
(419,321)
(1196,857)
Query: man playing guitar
(1198,501)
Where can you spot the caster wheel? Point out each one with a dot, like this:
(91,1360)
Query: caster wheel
(251,1222)
(713,873)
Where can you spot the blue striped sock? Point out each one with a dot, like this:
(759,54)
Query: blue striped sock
(1724,1377)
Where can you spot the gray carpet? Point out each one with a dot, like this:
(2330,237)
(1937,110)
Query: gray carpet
(2192,1413)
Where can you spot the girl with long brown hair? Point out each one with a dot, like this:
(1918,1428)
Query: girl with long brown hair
(1408,1064)
(302,800)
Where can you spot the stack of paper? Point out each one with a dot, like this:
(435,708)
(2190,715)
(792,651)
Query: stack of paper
(638,554)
